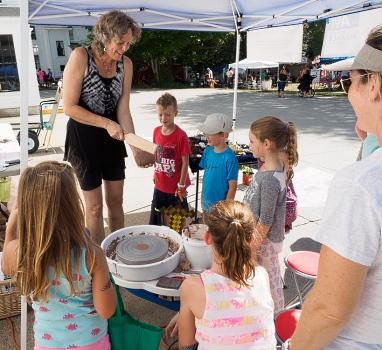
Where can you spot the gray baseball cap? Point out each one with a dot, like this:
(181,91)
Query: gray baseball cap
(367,58)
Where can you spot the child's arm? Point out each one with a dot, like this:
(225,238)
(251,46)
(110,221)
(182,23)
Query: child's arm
(186,320)
(184,170)
(232,186)
(262,230)
(104,296)
(183,175)
(8,261)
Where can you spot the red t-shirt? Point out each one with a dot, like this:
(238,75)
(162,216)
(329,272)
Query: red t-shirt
(168,159)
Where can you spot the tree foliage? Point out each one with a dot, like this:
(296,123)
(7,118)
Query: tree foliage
(198,50)
(162,49)
(313,38)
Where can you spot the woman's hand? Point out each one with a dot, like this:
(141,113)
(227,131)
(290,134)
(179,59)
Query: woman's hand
(114,130)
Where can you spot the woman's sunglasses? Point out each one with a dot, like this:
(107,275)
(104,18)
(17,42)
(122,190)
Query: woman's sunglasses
(345,83)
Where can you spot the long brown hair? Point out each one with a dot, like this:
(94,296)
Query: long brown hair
(232,227)
(50,225)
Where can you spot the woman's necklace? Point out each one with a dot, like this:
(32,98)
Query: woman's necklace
(108,69)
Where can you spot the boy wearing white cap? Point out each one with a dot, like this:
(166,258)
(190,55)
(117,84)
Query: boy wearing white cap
(219,162)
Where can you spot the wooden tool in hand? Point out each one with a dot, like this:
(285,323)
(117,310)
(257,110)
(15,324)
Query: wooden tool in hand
(146,157)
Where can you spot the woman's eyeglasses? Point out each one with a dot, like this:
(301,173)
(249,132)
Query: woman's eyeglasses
(345,83)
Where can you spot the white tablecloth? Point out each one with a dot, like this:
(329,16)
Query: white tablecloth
(9,147)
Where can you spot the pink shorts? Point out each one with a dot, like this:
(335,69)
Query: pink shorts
(102,344)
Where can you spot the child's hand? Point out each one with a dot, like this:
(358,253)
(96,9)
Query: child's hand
(147,166)
(172,328)
(181,193)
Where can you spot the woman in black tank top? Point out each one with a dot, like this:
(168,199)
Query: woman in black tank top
(97,94)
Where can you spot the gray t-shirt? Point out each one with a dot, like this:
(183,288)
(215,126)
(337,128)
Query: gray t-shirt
(266,197)
(351,226)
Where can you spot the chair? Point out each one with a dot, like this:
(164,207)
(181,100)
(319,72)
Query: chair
(286,322)
(305,264)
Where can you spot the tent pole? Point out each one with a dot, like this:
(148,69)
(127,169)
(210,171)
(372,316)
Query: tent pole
(23,77)
(24,104)
(236,82)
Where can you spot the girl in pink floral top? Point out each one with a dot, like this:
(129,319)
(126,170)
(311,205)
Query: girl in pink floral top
(57,267)
(229,306)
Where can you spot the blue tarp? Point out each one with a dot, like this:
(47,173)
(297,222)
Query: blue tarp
(8,70)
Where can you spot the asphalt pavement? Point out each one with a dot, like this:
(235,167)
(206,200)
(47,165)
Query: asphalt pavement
(327,142)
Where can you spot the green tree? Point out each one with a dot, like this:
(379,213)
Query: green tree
(161,49)
(198,50)
(313,38)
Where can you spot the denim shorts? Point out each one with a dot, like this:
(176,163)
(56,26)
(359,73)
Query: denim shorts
(191,347)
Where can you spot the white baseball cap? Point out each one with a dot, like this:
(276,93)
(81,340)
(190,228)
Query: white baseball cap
(215,123)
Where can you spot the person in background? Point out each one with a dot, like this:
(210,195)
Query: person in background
(266,195)
(210,78)
(282,81)
(57,267)
(171,177)
(344,308)
(96,97)
(219,162)
(305,81)
(40,77)
(229,75)
(228,306)
(49,78)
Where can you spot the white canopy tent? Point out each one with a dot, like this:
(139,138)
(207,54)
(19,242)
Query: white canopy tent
(196,15)
(250,64)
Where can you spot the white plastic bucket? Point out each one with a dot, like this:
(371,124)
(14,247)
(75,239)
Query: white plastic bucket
(197,252)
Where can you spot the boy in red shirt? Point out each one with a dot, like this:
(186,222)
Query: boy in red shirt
(171,177)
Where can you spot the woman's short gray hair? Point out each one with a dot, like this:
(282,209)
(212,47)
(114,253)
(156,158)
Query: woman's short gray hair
(114,24)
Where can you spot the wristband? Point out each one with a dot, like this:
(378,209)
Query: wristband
(181,186)
(285,345)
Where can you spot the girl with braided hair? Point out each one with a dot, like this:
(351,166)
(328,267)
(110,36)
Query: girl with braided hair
(266,195)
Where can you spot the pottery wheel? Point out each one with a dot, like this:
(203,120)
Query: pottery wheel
(142,249)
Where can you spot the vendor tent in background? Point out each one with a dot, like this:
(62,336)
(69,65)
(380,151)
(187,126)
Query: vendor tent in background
(345,35)
(196,15)
(281,44)
(249,64)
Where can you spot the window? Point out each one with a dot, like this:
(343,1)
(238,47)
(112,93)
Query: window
(9,77)
(37,62)
(71,35)
(33,32)
(60,48)
(62,67)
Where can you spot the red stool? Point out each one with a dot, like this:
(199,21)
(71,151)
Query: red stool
(286,322)
(302,263)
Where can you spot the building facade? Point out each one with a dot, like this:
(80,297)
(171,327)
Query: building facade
(50,47)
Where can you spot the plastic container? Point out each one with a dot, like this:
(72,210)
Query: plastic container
(198,253)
